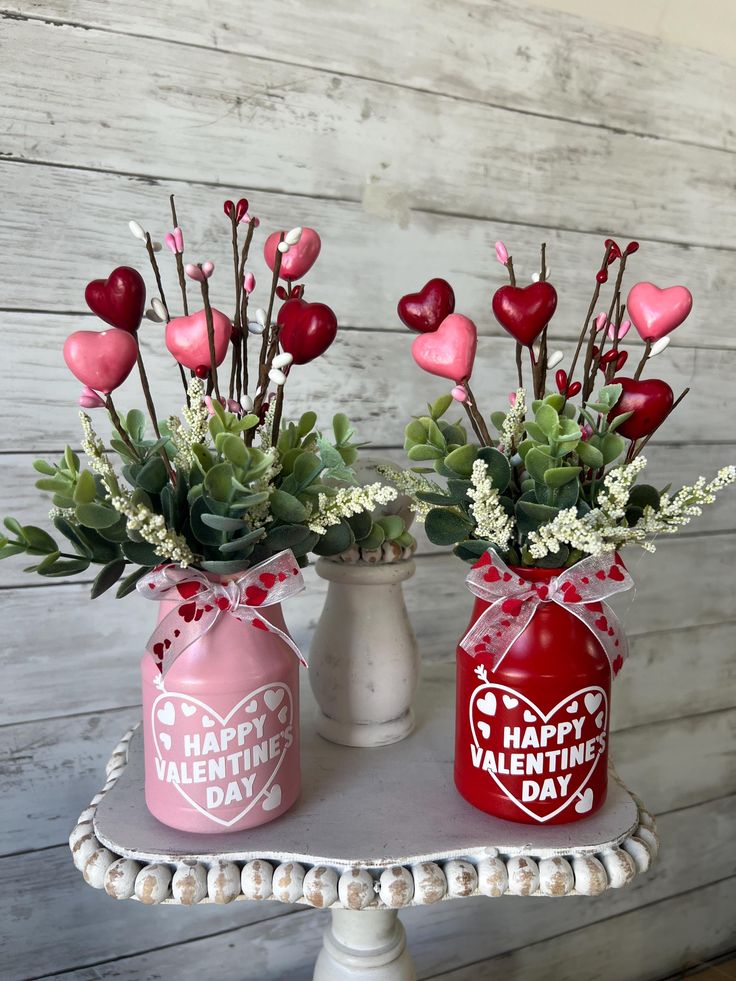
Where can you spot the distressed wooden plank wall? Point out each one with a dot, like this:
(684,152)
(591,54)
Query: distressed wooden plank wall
(413,136)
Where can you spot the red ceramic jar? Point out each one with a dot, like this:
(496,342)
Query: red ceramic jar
(531,737)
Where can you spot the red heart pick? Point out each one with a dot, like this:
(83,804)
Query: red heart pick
(299,259)
(524,311)
(102,360)
(118,300)
(448,351)
(650,401)
(307,329)
(424,311)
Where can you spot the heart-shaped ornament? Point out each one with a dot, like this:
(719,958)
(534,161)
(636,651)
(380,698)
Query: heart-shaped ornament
(449,351)
(524,311)
(186,338)
(656,312)
(101,359)
(424,311)
(299,259)
(306,329)
(198,736)
(542,761)
(118,300)
(649,399)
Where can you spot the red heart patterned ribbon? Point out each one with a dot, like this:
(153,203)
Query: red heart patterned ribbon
(201,602)
(513,601)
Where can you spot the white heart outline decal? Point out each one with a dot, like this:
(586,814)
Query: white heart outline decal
(223,721)
(544,716)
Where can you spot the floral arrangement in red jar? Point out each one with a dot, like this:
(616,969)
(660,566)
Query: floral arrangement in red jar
(541,502)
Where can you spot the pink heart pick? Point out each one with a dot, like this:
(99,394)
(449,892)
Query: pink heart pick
(186,338)
(655,312)
(102,360)
(299,259)
(450,350)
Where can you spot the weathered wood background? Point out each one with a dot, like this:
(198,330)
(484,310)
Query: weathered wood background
(413,136)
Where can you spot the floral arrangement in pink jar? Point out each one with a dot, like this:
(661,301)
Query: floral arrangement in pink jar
(210,514)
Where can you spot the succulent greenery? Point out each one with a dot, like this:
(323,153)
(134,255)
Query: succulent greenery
(554,464)
(232,505)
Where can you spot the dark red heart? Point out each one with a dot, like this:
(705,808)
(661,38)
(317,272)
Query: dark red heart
(650,401)
(524,311)
(306,329)
(118,300)
(424,311)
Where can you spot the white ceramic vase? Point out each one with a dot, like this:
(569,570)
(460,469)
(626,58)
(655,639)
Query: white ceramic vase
(364,659)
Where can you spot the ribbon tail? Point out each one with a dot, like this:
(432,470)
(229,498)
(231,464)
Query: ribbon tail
(494,631)
(249,616)
(173,636)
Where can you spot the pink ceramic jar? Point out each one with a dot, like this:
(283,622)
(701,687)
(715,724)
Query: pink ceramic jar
(221,729)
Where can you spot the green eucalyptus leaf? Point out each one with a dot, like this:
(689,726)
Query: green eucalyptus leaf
(590,456)
(374,540)
(128,584)
(203,457)
(287,508)
(243,542)
(612,446)
(644,495)
(392,525)
(152,476)
(497,419)
(361,524)
(555,560)
(461,460)
(559,476)
(306,424)
(336,539)
(141,553)
(66,567)
(458,491)
(38,541)
(221,522)
(440,406)
(497,466)
(96,515)
(56,485)
(537,462)
(548,420)
(445,527)
(234,449)
(8,550)
(43,467)
(225,567)
(423,451)
(44,564)
(555,400)
(535,431)
(107,576)
(341,428)
(414,432)
(279,537)
(218,482)
(307,467)
(85,490)
(135,423)
(610,394)
(471,549)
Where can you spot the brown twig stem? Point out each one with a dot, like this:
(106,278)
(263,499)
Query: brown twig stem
(644,359)
(510,268)
(156,271)
(269,345)
(476,419)
(519,371)
(591,308)
(210,335)
(115,418)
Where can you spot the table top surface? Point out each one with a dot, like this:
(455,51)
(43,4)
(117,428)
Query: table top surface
(375,808)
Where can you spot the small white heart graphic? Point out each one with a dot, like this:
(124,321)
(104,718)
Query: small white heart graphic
(572,708)
(272,799)
(283,714)
(592,700)
(585,803)
(167,714)
(251,706)
(510,702)
(273,697)
(599,719)
(165,740)
(487,704)
(529,716)
(188,709)
(485,729)
(207,722)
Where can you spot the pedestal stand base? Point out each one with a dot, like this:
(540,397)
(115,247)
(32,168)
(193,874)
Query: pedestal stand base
(365,734)
(365,945)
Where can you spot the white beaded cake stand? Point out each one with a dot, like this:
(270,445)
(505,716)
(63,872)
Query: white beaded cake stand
(374,831)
